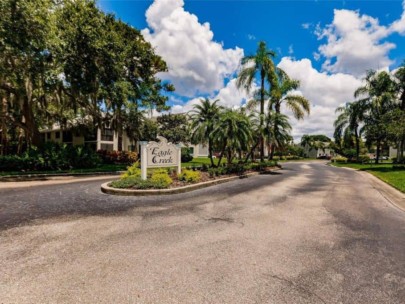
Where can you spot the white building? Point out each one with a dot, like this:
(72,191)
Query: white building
(105,139)
(393,153)
(320,152)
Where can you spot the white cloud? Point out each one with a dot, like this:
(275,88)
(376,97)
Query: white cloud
(290,49)
(229,96)
(354,43)
(325,92)
(197,64)
(251,37)
(399,25)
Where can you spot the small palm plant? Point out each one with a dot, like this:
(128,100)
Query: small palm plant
(232,133)
(204,118)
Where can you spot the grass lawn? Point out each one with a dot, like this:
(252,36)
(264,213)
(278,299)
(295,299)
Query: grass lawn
(199,161)
(385,172)
(101,168)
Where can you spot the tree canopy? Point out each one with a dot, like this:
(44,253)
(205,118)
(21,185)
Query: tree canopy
(88,65)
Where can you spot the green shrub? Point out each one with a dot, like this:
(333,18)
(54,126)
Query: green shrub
(212,172)
(364,159)
(186,155)
(292,157)
(190,176)
(350,153)
(133,170)
(126,182)
(52,156)
(118,157)
(161,179)
(340,159)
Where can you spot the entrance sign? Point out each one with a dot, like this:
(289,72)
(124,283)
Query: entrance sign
(159,154)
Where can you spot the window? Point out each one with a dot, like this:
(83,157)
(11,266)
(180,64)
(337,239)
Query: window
(48,136)
(67,136)
(107,147)
(107,135)
(57,134)
(91,135)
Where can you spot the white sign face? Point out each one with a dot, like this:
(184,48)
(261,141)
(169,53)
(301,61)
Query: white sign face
(162,153)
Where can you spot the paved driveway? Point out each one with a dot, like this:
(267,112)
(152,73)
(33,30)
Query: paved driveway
(311,234)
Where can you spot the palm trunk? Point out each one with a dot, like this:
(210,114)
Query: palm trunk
(229,158)
(377,158)
(262,115)
(222,154)
(273,148)
(250,154)
(210,152)
(357,144)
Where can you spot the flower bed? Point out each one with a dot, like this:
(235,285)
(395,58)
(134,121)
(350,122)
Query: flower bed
(169,179)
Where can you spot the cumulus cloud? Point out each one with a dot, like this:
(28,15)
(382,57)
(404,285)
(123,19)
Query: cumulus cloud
(229,96)
(325,92)
(354,43)
(197,64)
(399,25)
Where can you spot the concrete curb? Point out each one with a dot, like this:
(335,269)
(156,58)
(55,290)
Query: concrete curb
(390,193)
(394,196)
(39,177)
(127,192)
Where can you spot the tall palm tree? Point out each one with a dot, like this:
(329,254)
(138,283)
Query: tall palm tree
(204,117)
(277,130)
(232,133)
(348,121)
(379,97)
(262,64)
(281,94)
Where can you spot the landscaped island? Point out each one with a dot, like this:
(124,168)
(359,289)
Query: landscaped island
(168,178)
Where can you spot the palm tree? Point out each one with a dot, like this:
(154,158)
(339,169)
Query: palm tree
(204,117)
(261,63)
(281,94)
(379,94)
(232,133)
(277,130)
(307,140)
(348,121)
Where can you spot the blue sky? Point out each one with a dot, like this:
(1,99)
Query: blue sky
(327,45)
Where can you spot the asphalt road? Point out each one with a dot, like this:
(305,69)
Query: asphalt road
(310,234)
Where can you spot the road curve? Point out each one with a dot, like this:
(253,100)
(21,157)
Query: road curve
(309,234)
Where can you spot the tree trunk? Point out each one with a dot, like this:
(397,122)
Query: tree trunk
(222,154)
(262,115)
(377,156)
(229,158)
(250,154)
(210,152)
(4,130)
(32,134)
(357,144)
(271,156)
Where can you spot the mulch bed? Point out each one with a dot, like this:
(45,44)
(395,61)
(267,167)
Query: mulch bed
(205,177)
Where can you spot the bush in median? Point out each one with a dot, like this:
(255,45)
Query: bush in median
(190,176)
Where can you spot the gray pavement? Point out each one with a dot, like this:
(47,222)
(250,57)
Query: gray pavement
(309,234)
